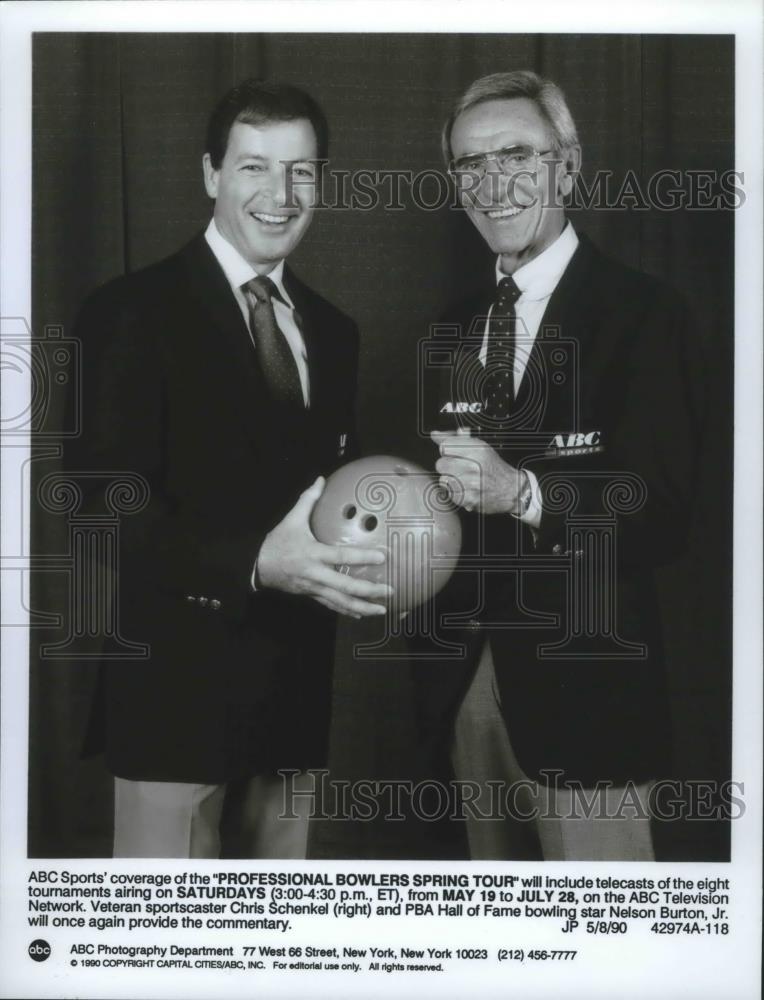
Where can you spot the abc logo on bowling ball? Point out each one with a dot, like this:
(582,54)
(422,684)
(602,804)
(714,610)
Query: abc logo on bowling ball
(393,504)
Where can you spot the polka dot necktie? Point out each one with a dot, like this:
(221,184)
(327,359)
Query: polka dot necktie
(273,352)
(500,360)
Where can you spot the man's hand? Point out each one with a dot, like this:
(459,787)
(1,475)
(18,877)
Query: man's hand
(475,476)
(292,560)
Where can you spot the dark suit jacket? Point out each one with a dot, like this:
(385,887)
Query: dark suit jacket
(240,682)
(607,417)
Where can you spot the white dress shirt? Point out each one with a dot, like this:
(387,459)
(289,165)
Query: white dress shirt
(536,280)
(238,272)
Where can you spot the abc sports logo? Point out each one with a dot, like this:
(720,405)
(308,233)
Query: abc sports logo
(39,950)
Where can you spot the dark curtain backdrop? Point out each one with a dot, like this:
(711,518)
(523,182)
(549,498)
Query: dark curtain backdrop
(119,126)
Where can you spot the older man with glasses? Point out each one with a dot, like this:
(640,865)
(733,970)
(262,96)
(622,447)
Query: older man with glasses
(566,423)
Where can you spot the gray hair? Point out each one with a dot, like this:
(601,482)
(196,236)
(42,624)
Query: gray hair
(548,97)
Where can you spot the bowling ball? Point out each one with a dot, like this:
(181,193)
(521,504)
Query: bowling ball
(393,504)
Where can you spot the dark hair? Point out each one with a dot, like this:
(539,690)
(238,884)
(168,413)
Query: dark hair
(256,101)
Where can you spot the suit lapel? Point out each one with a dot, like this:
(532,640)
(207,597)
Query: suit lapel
(316,346)
(458,381)
(229,348)
(567,310)
(572,288)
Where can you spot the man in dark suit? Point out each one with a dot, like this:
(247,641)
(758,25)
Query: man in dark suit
(567,422)
(228,385)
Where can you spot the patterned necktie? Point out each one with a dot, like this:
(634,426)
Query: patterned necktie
(273,352)
(500,360)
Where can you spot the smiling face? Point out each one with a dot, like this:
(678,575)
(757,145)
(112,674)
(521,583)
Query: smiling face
(520,216)
(261,211)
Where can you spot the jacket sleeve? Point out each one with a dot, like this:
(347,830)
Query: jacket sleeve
(123,431)
(353,447)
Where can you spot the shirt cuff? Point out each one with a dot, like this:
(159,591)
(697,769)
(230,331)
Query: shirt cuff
(532,515)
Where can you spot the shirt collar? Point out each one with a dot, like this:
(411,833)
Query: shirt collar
(538,278)
(237,270)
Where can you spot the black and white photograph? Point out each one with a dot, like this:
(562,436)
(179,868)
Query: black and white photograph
(377,475)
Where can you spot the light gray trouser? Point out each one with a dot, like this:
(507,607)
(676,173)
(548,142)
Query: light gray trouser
(169,819)
(568,828)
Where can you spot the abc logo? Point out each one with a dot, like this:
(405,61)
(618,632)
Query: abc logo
(39,950)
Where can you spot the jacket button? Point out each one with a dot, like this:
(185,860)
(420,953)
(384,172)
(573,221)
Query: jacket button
(215,604)
(191,599)
(203,601)
(557,549)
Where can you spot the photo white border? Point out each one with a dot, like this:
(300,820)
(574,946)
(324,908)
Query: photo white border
(744,18)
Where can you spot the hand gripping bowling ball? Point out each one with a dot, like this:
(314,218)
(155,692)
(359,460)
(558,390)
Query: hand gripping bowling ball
(392,504)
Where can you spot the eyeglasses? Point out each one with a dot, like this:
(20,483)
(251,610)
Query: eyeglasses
(510,160)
